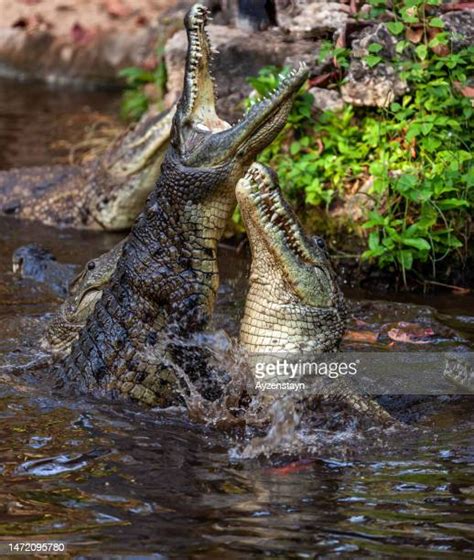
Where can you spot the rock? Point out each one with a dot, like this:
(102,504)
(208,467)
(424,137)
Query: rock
(241,54)
(307,56)
(358,205)
(375,86)
(311,19)
(326,99)
(372,87)
(460,24)
(378,34)
(354,208)
(249,15)
(41,55)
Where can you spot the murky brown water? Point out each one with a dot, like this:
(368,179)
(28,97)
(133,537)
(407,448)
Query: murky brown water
(114,480)
(39,124)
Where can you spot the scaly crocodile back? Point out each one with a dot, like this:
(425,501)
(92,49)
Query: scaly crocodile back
(165,284)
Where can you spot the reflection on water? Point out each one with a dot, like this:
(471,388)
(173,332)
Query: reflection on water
(38,122)
(112,478)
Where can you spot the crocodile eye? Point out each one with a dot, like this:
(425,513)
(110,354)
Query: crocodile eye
(91,265)
(320,242)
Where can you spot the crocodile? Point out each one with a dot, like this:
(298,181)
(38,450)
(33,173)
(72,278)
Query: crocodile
(293,291)
(84,291)
(37,263)
(165,282)
(294,306)
(105,193)
(294,303)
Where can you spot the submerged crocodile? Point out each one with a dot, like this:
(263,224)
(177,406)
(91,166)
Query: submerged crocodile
(84,292)
(166,277)
(106,193)
(37,263)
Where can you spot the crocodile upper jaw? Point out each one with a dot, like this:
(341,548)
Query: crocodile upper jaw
(199,136)
(298,261)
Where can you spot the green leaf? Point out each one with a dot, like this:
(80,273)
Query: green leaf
(426,128)
(422,51)
(418,243)
(408,15)
(325,50)
(436,22)
(405,183)
(372,60)
(413,131)
(405,258)
(395,27)
(401,46)
(378,169)
(451,203)
(295,148)
(375,219)
(431,144)
(374,240)
(375,48)
(374,253)
(135,76)
(454,242)
(134,104)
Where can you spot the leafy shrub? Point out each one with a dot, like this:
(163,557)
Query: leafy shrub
(417,152)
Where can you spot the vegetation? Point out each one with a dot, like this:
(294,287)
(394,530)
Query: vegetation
(416,152)
(137,98)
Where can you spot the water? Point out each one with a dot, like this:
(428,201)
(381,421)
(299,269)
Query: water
(39,124)
(111,478)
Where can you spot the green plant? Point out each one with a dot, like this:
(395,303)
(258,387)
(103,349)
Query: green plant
(417,152)
(136,99)
(427,195)
(340,55)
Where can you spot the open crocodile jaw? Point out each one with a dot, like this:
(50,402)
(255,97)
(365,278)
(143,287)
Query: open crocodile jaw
(293,302)
(265,210)
(200,136)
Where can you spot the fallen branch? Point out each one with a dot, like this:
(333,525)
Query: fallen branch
(459,290)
